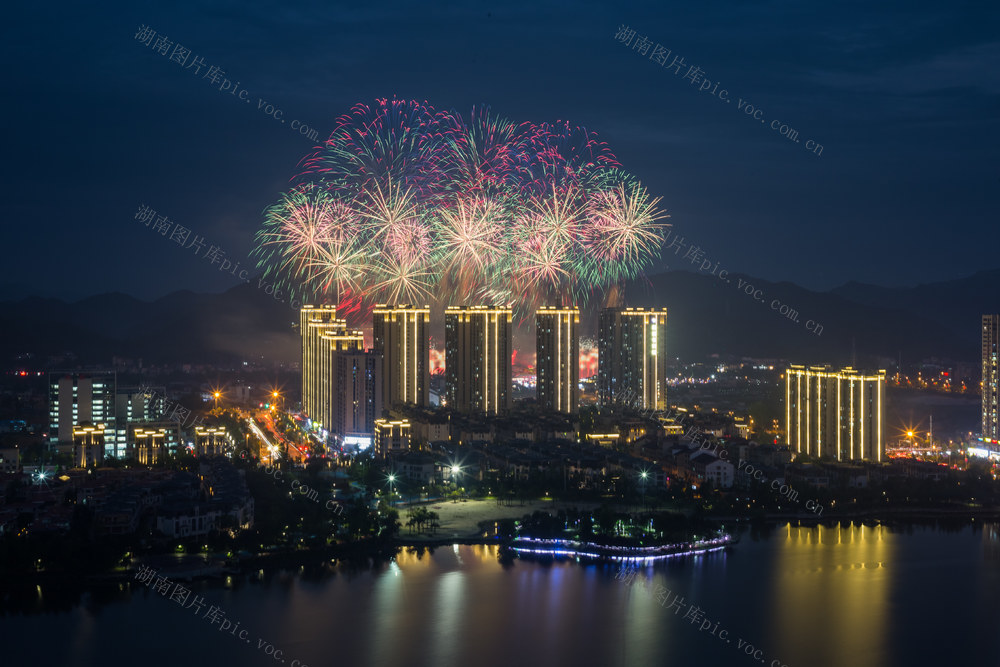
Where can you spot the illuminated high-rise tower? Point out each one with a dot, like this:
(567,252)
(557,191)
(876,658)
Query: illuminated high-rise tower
(557,351)
(357,398)
(478,345)
(402,339)
(341,391)
(991,334)
(314,321)
(339,348)
(77,398)
(835,414)
(632,358)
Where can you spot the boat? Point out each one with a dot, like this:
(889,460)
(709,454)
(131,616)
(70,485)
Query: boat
(534,547)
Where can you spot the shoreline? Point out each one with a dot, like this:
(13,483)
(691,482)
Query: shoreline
(355,551)
(877,515)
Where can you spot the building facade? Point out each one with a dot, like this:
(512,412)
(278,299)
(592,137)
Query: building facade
(837,414)
(478,346)
(392,436)
(991,332)
(212,441)
(314,323)
(557,351)
(632,358)
(357,397)
(88,445)
(341,382)
(150,446)
(401,337)
(81,398)
(134,406)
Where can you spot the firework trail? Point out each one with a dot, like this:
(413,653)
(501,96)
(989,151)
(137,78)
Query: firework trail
(404,203)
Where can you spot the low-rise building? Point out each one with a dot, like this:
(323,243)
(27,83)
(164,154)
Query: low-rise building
(393,436)
(713,470)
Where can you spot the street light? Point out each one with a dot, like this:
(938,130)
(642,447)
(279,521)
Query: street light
(643,475)
(456,470)
(392,481)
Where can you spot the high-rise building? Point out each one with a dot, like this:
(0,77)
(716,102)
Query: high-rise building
(139,404)
(401,337)
(341,388)
(314,322)
(557,351)
(330,397)
(835,414)
(81,398)
(478,345)
(991,334)
(632,358)
(357,397)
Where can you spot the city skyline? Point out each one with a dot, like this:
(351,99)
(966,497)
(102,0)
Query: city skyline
(523,333)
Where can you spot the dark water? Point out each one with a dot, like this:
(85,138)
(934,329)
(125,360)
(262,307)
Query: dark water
(850,595)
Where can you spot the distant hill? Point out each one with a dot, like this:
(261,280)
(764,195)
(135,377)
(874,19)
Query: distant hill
(956,304)
(707,316)
(241,323)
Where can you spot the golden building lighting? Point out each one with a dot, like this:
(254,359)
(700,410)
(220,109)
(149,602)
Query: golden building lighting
(401,337)
(835,414)
(392,435)
(478,345)
(212,441)
(341,392)
(632,358)
(150,445)
(314,321)
(557,350)
(88,445)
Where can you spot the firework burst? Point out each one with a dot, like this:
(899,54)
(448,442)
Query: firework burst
(407,204)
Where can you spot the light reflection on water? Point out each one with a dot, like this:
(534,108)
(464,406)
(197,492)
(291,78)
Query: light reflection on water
(833,579)
(820,596)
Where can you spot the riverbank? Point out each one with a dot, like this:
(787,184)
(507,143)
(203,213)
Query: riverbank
(461,520)
(460,525)
(882,514)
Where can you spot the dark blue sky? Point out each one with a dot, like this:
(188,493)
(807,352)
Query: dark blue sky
(903,96)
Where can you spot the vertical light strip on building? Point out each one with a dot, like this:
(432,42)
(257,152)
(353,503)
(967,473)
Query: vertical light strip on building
(880,387)
(652,319)
(808,405)
(851,416)
(861,420)
(819,415)
(840,425)
(788,406)
(400,337)
(798,409)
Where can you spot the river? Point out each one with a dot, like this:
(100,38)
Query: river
(847,595)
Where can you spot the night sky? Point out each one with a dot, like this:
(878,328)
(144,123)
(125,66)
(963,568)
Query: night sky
(904,97)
